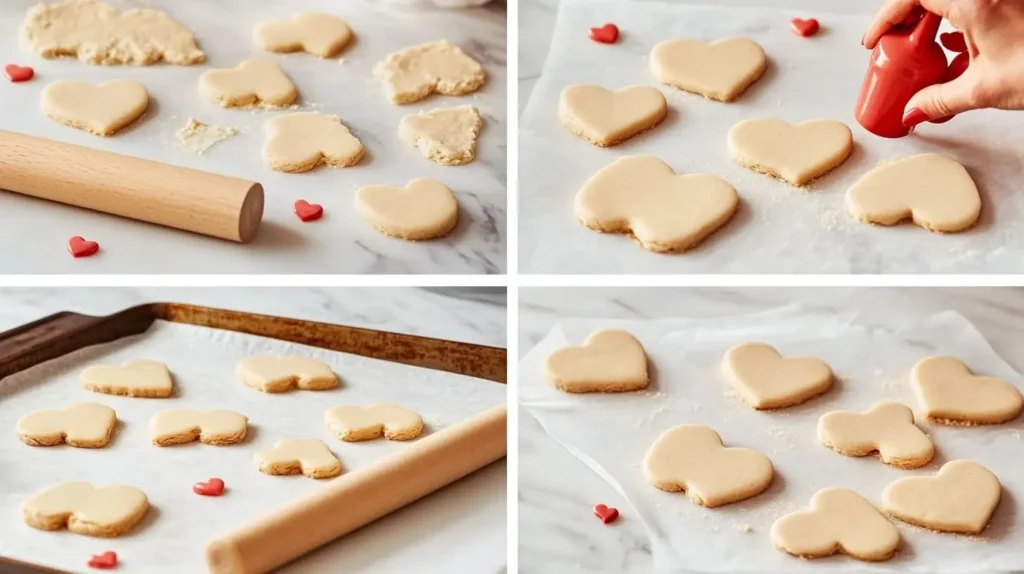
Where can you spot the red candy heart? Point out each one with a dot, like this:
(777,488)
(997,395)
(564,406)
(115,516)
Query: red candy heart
(16,73)
(606,34)
(954,41)
(212,487)
(79,247)
(605,513)
(308,211)
(805,28)
(103,561)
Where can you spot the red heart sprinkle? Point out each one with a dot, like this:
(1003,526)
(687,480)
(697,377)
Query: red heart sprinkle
(308,211)
(212,487)
(606,513)
(79,247)
(606,34)
(803,27)
(16,73)
(103,561)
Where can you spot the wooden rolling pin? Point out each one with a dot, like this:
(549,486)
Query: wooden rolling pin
(359,497)
(206,203)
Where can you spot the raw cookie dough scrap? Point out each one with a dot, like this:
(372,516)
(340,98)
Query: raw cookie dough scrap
(147,379)
(307,456)
(95,32)
(197,137)
(609,361)
(767,380)
(795,153)
(301,141)
(102,109)
(692,458)
(423,209)
(641,196)
(316,33)
(839,520)
(606,118)
(355,423)
(84,509)
(180,426)
(960,498)
(414,73)
(446,136)
(254,82)
(84,425)
(280,374)
(950,394)
(720,70)
(886,430)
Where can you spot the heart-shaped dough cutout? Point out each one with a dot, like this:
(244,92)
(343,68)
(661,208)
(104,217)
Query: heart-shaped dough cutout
(85,425)
(280,374)
(932,190)
(605,118)
(355,423)
(609,361)
(446,136)
(720,70)
(767,380)
(950,394)
(423,209)
(796,154)
(307,456)
(886,429)
(102,109)
(180,426)
(414,73)
(839,520)
(316,33)
(692,458)
(84,509)
(253,82)
(642,196)
(149,379)
(960,498)
(299,142)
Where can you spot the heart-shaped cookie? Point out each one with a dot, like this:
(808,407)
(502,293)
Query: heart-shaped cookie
(299,142)
(950,394)
(693,458)
(931,189)
(446,136)
(85,425)
(960,498)
(102,109)
(414,73)
(605,118)
(609,361)
(307,456)
(280,374)
(84,509)
(180,426)
(642,196)
(767,380)
(886,429)
(317,33)
(253,82)
(149,379)
(423,209)
(839,520)
(353,423)
(796,153)
(720,70)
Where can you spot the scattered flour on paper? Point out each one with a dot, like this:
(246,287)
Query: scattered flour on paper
(197,137)
(743,527)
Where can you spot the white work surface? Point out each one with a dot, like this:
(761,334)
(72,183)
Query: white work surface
(778,229)
(34,233)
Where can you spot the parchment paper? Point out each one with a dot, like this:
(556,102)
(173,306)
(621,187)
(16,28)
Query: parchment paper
(34,232)
(172,536)
(611,434)
(778,229)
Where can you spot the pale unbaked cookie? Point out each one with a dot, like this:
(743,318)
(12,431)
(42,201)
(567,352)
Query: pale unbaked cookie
(148,379)
(355,423)
(692,458)
(609,361)
(414,73)
(950,394)
(796,154)
(102,109)
(605,118)
(767,380)
(197,137)
(307,456)
(317,33)
(301,141)
(423,209)
(180,426)
(446,136)
(641,196)
(85,425)
(720,70)
(254,82)
(280,374)
(932,190)
(95,32)
(886,430)
(960,498)
(839,520)
(84,509)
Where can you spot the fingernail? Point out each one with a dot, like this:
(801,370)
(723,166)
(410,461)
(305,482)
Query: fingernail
(913,117)
(862,39)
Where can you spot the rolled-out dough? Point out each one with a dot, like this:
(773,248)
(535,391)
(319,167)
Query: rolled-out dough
(605,118)
(794,153)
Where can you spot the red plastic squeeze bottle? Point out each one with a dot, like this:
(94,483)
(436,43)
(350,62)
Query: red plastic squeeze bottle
(903,63)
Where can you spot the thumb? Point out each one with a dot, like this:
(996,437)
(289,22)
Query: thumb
(942,100)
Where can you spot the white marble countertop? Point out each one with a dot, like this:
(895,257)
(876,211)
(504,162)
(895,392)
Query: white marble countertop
(557,532)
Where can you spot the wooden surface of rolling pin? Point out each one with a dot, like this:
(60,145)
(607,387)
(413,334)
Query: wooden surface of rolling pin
(179,197)
(361,496)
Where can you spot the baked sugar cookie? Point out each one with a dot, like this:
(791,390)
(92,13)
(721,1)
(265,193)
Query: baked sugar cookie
(767,380)
(84,509)
(720,70)
(839,521)
(794,153)
(306,456)
(354,423)
(641,196)
(605,118)
(960,498)
(253,82)
(950,394)
(692,458)
(609,361)
(886,430)
(301,141)
(423,209)
(85,425)
(280,374)
(445,136)
(102,109)
(180,426)
(414,73)
(316,33)
(147,379)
